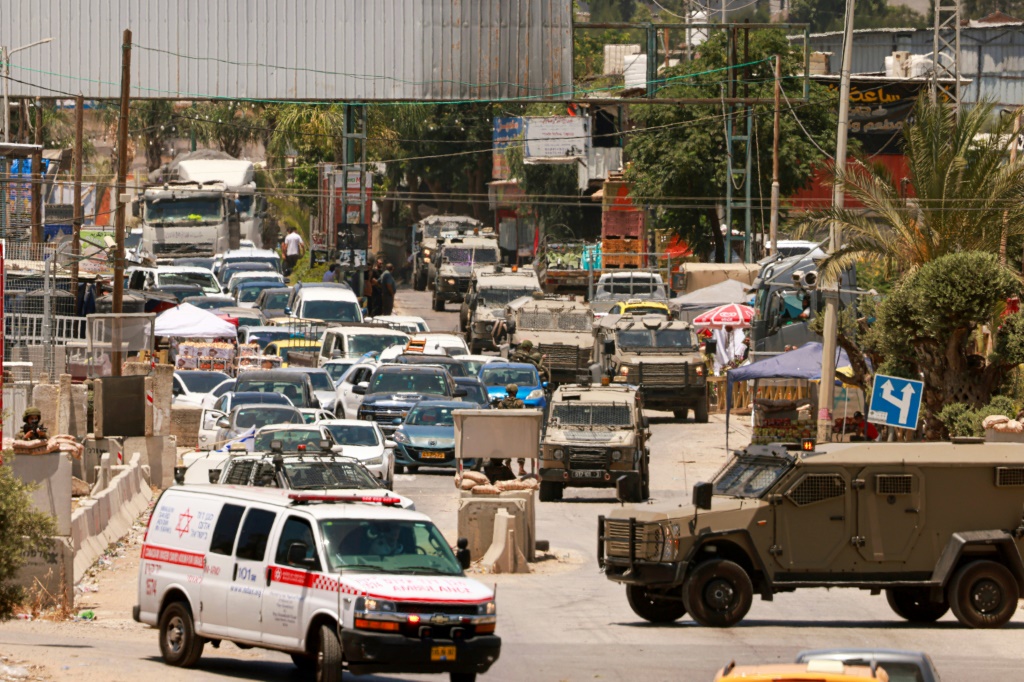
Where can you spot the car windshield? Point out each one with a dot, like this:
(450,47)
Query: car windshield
(502,376)
(212,303)
(750,475)
(321,381)
(591,414)
(472,367)
(201,382)
(250,292)
(387,546)
(543,320)
(249,417)
(204,280)
(337,370)
(408,382)
(361,344)
(431,415)
(194,210)
(475,393)
(495,298)
(336,473)
(277,299)
(353,434)
(662,338)
(291,389)
(331,311)
(290,439)
(467,255)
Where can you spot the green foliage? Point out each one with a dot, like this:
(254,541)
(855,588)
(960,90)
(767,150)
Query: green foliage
(226,125)
(25,530)
(976,9)
(962,421)
(828,15)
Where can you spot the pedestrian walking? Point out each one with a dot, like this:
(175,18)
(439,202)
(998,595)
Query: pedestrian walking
(388,288)
(293,249)
(331,275)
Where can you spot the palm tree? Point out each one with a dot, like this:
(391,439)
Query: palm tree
(963,194)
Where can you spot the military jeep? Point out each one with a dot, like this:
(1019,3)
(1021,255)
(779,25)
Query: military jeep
(491,289)
(560,328)
(457,258)
(937,526)
(595,436)
(429,233)
(659,355)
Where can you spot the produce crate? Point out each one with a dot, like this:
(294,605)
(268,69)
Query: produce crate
(616,261)
(622,224)
(622,245)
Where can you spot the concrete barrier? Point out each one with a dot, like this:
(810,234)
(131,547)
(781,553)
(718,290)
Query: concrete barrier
(504,555)
(184,424)
(95,448)
(476,521)
(51,570)
(51,473)
(159,453)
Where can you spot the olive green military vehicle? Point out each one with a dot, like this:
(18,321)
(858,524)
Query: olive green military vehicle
(560,328)
(936,526)
(428,233)
(595,436)
(659,355)
(491,289)
(457,259)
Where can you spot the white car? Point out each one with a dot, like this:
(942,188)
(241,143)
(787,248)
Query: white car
(323,385)
(473,363)
(364,441)
(253,276)
(442,344)
(338,368)
(166,275)
(193,387)
(357,341)
(210,399)
(346,401)
(333,304)
(410,324)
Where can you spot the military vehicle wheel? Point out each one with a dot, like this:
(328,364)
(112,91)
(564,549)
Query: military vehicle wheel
(680,414)
(983,594)
(700,412)
(914,604)
(645,486)
(438,304)
(329,656)
(718,593)
(420,282)
(655,608)
(551,491)
(179,644)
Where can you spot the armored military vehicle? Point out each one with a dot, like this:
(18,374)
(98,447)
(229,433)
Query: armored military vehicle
(560,328)
(457,258)
(491,289)
(427,234)
(937,526)
(595,435)
(659,355)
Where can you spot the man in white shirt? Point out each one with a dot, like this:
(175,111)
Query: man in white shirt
(293,248)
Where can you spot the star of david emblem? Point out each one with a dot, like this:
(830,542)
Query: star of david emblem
(184,521)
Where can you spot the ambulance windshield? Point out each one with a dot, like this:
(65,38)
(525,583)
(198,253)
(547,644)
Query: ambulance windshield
(387,546)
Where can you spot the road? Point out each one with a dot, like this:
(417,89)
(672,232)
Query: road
(565,621)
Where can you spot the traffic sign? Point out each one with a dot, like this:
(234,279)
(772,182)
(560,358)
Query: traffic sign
(895,402)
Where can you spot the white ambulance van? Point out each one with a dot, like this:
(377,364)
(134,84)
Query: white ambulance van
(339,582)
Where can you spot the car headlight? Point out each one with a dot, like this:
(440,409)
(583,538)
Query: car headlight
(559,454)
(451,282)
(400,437)
(374,604)
(536,394)
(488,609)
(669,544)
(616,455)
(426,252)
(368,416)
(374,461)
(624,371)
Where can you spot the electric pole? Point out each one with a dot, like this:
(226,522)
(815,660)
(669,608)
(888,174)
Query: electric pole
(827,388)
(119,217)
(774,220)
(76,223)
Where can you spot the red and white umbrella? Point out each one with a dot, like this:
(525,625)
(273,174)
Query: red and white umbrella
(730,315)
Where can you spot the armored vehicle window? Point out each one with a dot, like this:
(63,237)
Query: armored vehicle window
(297,530)
(750,476)
(224,532)
(239,473)
(583,414)
(252,542)
(816,488)
(1009,476)
(894,484)
(500,297)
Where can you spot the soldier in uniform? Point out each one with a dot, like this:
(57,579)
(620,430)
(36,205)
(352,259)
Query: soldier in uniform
(526,353)
(512,402)
(33,428)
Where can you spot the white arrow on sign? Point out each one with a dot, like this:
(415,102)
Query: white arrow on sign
(902,403)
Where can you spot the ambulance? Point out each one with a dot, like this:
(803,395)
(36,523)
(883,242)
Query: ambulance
(339,582)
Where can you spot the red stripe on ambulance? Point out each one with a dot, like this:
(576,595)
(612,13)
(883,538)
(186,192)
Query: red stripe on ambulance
(173,556)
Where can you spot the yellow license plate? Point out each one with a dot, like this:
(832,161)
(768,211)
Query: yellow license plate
(431,455)
(442,653)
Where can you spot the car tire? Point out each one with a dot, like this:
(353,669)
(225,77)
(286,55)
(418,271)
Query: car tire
(915,605)
(718,593)
(305,663)
(700,411)
(550,491)
(983,594)
(680,414)
(653,608)
(438,304)
(329,656)
(180,646)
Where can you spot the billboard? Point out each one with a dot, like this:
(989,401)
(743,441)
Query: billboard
(556,139)
(506,130)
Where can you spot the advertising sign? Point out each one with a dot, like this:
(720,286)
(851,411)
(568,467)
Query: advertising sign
(506,130)
(878,111)
(554,139)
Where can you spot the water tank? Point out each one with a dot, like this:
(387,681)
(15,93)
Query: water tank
(636,71)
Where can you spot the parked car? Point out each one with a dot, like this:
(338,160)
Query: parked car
(901,666)
(243,422)
(217,392)
(323,387)
(338,368)
(475,390)
(210,302)
(346,400)
(297,386)
(394,389)
(273,301)
(426,437)
(497,375)
(170,275)
(227,402)
(330,303)
(366,442)
(190,387)
(473,363)
(315,415)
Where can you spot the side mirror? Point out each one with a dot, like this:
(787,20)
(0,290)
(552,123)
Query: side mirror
(702,494)
(609,348)
(297,554)
(462,553)
(711,346)
(359,389)
(287,311)
(397,421)
(460,393)
(179,475)
(646,423)
(214,475)
(223,423)
(335,354)
(390,444)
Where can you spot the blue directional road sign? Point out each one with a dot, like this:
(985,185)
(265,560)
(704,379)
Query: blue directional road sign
(895,402)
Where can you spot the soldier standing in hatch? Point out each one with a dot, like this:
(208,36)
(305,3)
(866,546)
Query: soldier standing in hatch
(33,428)
(525,353)
(511,401)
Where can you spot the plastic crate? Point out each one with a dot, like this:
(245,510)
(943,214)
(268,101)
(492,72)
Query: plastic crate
(622,224)
(617,261)
(622,245)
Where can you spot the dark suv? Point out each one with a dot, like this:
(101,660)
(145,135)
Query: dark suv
(394,389)
(297,386)
(454,367)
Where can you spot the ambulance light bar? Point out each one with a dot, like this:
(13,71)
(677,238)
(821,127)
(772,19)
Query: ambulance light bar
(303,498)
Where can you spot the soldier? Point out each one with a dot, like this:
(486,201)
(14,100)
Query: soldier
(33,427)
(511,401)
(525,353)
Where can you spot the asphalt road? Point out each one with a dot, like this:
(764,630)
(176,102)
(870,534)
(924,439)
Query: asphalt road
(565,621)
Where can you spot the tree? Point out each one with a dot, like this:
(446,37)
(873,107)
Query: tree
(226,124)
(25,530)
(828,15)
(963,193)
(549,186)
(927,328)
(679,166)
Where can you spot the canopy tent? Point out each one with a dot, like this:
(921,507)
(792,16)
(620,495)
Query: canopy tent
(729,291)
(188,321)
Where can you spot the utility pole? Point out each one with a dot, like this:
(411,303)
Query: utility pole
(37,178)
(76,223)
(774,220)
(827,388)
(119,218)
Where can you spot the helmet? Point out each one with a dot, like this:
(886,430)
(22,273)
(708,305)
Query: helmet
(31,412)
(526,345)
(512,389)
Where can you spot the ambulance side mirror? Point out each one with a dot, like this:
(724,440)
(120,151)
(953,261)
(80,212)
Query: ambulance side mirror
(462,553)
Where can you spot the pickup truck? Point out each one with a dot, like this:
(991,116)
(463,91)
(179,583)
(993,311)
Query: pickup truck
(348,342)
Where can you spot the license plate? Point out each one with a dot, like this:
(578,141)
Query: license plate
(431,455)
(587,474)
(442,653)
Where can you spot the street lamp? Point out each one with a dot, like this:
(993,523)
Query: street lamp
(5,56)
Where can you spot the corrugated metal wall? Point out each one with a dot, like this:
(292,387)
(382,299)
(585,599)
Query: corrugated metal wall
(294,49)
(999,52)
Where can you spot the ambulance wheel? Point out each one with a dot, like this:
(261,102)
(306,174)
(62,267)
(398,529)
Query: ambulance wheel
(179,644)
(656,608)
(983,594)
(329,656)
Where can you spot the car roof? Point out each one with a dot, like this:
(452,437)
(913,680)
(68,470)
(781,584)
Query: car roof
(911,454)
(339,294)
(395,367)
(274,290)
(271,373)
(289,427)
(254,282)
(262,405)
(508,365)
(182,268)
(280,497)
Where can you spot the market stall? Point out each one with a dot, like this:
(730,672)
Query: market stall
(202,340)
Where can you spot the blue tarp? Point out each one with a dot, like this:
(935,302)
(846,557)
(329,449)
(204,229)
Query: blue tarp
(802,363)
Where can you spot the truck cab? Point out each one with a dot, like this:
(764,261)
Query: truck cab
(185,219)
(491,290)
(427,236)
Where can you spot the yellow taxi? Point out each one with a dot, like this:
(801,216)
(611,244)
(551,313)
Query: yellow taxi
(638,307)
(812,671)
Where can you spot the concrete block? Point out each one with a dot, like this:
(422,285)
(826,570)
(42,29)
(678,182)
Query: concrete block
(149,405)
(97,408)
(476,520)
(530,497)
(159,453)
(504,554)
(46,397)
(72,409)
(185,424)
(50,572)
(85,468)
(163,394)
(52,474)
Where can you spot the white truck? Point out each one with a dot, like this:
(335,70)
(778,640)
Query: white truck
(239,178)
(185,219)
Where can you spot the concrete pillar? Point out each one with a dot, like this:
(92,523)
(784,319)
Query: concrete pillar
(476,520)
(97,408)
(47,397)
(163,394)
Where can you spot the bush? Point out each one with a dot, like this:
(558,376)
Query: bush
(962,421)
(24,530)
